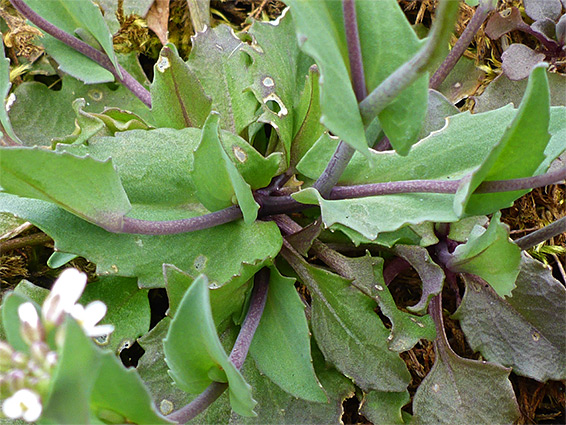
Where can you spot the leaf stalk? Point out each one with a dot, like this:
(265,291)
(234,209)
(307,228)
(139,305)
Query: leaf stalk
(121,74)
(238,353)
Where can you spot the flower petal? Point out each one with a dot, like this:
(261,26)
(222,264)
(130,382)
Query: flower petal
(24,404)
(94,312)
(100,330)
(28,314)
(64,294)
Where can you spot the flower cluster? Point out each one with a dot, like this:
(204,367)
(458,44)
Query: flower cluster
(24,377)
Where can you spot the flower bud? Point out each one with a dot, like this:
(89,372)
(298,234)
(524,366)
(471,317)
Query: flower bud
(16,379)
(31,328)
(38,352)
(6,352)
(19,360)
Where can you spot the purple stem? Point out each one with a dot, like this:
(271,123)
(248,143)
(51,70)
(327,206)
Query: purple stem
(198,404)
(238,353)
(285,204)
(102,59)
(354,49)
(541,235)
(145,227)
(480,15)
(344,152)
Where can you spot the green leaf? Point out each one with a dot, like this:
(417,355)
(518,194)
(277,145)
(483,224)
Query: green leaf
(384,407)
(177,97)
(431,274)
(374,215)
(348,332)
(35,293)
(451,153)
(4,90)
(210,159)
(11,320)
(128,309)
(491,255)
(70,15)
(225,301)
(502,91)
(388,41)
(121,392)
(153,370)
(107,123)
(407,329)
(320,31)
(278,76)
(211,251)
(56,116)
(281,344)
(306,127)
(72,382)
(195,355)
(83,186)
(275,406)
(511,158)
(439,109)
(219,49)
(74,63)
(462,391)
(166,180)
(531,324)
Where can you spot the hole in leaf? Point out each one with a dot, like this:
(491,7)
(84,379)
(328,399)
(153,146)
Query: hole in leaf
(131,356)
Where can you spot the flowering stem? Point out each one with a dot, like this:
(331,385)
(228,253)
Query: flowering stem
(238,353)
(344,152)
(541,235)
(480,15)
(96,55)
(146,227)
(285,204)
(407,73)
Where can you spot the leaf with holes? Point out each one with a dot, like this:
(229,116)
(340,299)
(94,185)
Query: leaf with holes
(177,97)
(210,158)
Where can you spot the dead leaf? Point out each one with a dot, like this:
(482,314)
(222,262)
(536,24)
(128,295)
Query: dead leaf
(158,19)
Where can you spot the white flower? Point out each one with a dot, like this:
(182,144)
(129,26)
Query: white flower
(28,314)
(31,328)
(66,291)
(23,404)
(63,298)
(89,316)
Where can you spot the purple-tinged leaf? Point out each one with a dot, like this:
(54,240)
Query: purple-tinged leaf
(546,27)
(519,60)
(431,274)
(525,331)
(303,239)
(503,22)
(540,9)
(347,330)
(460,391)
(561,30)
